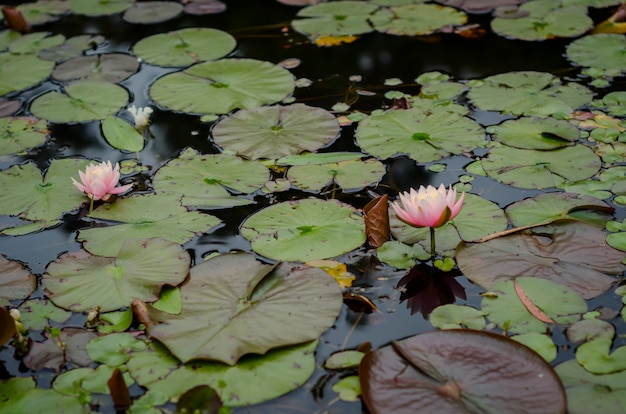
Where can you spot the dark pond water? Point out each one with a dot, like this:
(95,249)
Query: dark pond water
(261,30)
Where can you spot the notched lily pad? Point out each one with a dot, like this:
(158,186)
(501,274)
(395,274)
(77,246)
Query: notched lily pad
(459,371)
(535,133)
(152,12)
(572,254)
(247,307)
(421,19)
(139,271)
(99,7)
(21,133)
(351,175)
(16,281)
(22,71)
(276,131)
(108,67)
(603,54)
(304,230)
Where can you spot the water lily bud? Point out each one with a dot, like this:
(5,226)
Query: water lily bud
(141,115)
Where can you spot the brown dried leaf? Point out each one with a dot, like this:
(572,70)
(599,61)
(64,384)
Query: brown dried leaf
(377,221)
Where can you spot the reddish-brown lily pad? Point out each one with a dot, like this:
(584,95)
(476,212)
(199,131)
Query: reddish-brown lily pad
(459,371)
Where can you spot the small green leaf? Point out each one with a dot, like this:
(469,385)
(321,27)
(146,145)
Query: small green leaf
(122,135)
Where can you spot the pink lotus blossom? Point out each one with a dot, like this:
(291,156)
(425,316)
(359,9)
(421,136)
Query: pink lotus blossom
(428,207)
(99,181)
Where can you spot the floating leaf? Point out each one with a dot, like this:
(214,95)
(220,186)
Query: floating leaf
(16,281)
(535,133)
(139,270)
(451,316)
(19,134)
(541,169)
(114,349)
(421,19)
(99,7)
(559,302)
(528,93)
(255,378)
(218,87)
(598,358)
(200,179)
(59,349)
(590,393)
(22,71)
(19,395)
(81,101)
(276,131)
(122,135)
(480,6)
(304,230)
(570,253)
(248,299)
(401,255)
(376,216)
(350,175)
(35,314)
(340,18)
(424,137)
(152,12)
(538,342)
(72,47)
(603,52)
(546,19)
(478,217)
(344,360)
(184,47)
(589,329)
(459,371)
(32,43)
(348,388)
(108,67)
(26,193)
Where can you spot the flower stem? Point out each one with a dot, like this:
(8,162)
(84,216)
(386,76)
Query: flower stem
(432,243)
(91,206)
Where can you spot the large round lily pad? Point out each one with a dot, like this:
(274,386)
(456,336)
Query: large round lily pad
(79,281)
(421,135)
(601,51)
(201,180)
(304,230)
(19,72)
(218,87)
(528,93)
(99,7)
(143,217)
(572,254)
(421,19)
(21,133)
(43,11)
(535,133)
(81,101)
(541,169)
(350,175)
(459,371)
(150,12)
(246,307)
(276,131)
(185,47)
(254,379)
(109,67)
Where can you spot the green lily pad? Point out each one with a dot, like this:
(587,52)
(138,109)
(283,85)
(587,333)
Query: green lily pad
(35,42)
(16,281)
(590,329)
(99,7)
(108,67)
(478,218)
(615,103)
(344,360)
(255,378)
(421,19)
(535,133)
(64,346)
(309,158)
(218,87)
(276,131)
(340,18)
(504,307)
(152,12)
(545,19)
(248,299)
(349,175)
(606,53)
(541,169)
(451,316)
(591,393)
(26,193)
(139,270)
(36,313)
(572,254)
(538,342)
(598,358)
(122,135)
(459,371)
(348,388)
(19,72)
(79,382)
(81,101)
(304,230)
(528,93)
(43,11)
(114,349)
(400,255)
(20,133)
(548,207)
(185,47)
(71,48)
(141,217)
(19,395)
(423,136)
(201,179)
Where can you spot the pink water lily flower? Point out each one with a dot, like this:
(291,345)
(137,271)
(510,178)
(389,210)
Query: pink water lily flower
(428,207)
(99,181)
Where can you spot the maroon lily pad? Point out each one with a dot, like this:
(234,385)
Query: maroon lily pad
(459,371)
(571,253)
